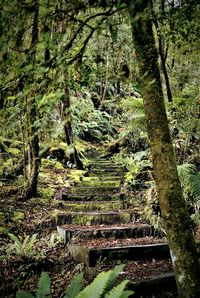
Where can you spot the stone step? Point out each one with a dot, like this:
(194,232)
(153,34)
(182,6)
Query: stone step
(113,166)
(94,218)
(108,170)
(97,183)
(90,255)
(90,197)
(91,205)
(132,230)
(93,189)
(102,178)
(100,175)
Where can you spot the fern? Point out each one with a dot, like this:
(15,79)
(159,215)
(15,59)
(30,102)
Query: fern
(44,286)
(115,273)
(190,181)
(97,287)
(75,287)
(101,283)
(118,291)
(23,248)
(24,294)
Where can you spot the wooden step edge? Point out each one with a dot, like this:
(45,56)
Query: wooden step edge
(89,197)
(90,256)
(136,231)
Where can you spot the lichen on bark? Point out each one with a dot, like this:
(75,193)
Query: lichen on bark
(173,207)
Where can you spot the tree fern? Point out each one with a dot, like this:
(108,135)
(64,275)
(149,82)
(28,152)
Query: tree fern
(75,287)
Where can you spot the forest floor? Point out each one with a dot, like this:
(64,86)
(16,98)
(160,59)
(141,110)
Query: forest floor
(21,269)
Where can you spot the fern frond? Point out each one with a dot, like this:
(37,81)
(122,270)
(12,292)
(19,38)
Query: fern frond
(127,294)
(15,239)
(44,286)
(117,291)
(23,294)
(114,274)
(24,244)
(190,181)
(75,286)
(97,287)
(32,240)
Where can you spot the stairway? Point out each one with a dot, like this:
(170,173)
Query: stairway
(100,224)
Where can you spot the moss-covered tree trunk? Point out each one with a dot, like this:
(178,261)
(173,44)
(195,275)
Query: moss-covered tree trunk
(163,55)
(33,143)
(74,158)
(175,215)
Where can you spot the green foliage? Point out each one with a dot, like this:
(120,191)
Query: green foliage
(44,286)
(89,123)
(133,109)
(24,248)
(43,290)
(54,240)
(190,181)
(24,294)
(102,286)
(103,282)
(135,163)
(75,286)
(118,291)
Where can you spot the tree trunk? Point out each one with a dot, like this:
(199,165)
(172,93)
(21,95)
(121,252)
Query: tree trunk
(34,160)
(74,158)
(163,57)
(173,208)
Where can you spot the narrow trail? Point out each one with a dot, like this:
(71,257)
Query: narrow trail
(100,224)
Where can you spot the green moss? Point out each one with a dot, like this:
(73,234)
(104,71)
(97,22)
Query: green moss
(46,193)
(78,207)
(2,216)
(90,219)
(76,174)
(18,216)
(58,166)
(2,230)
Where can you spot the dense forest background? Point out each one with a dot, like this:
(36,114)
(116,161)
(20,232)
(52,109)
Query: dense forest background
(70,81)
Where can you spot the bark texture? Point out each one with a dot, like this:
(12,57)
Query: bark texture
(33,146)
(173,208)
(74,158)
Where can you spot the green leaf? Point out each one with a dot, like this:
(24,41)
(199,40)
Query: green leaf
(117,291)
(23,294)
(126,294)
(115,273)
(97,287)
(44,286)
(75,286)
